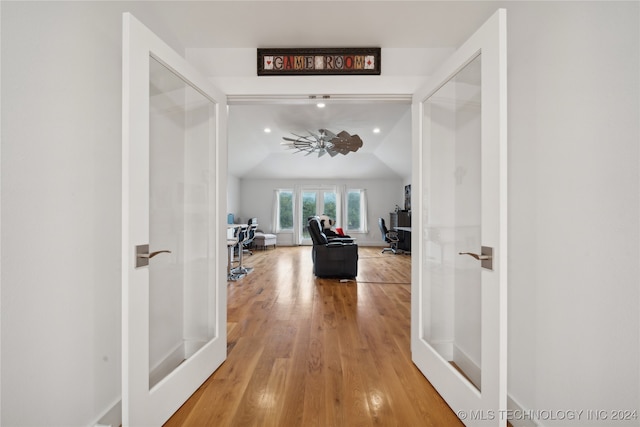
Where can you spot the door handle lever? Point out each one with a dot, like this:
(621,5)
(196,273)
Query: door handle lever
(485,257)
(476,256)
(143,256)
(152,254)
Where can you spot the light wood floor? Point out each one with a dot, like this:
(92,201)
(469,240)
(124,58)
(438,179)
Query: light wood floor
(306,352)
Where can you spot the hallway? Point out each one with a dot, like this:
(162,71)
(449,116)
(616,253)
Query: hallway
(304,351)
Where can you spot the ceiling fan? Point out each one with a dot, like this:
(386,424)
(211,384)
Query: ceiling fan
(324,142)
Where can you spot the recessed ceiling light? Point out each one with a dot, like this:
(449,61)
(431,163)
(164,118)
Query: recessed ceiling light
(267,130)
(321,104)
(376,130)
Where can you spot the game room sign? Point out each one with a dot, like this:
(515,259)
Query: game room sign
(316,61)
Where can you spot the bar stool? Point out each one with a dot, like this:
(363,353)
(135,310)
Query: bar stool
(243,236)
(232,242)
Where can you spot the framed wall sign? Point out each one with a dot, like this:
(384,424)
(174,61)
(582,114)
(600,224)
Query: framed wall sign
(316,61)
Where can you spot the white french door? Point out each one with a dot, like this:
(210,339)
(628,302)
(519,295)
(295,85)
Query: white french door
(459,285)
(317,201)
(173,256)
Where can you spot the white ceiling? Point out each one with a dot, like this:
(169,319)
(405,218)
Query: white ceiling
(256,154)
(314,23)
(392,25)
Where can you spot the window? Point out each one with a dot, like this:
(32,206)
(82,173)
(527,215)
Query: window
(285,210)
(317,201)
(309,203)
(356,210)
(292,207)
(330,204)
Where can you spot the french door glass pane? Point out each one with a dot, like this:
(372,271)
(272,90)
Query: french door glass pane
(181,294)
(309,208)
(452,182)
(330,204)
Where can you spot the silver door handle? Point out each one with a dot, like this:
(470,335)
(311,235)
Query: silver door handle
(485,257)
(152,254)
(476,256)
(143,256)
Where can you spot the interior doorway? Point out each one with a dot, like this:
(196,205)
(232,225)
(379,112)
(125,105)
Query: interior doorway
(257,155)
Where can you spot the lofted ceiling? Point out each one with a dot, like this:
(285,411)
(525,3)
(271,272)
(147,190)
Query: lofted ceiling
(254,153)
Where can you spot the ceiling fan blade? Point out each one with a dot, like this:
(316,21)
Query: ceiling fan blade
(303,137)
(346,143)
(328,133)
(317,137)
(357,141)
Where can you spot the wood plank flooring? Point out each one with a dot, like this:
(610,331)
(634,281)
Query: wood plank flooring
(304,351)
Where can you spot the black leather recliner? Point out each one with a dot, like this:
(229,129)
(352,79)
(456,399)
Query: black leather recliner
(332,258)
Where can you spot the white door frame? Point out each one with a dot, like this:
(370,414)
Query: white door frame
(276,98)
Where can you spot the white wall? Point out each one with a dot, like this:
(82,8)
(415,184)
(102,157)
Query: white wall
(233,195)
(382,196)
(61,137)
(574,207)
(61,210)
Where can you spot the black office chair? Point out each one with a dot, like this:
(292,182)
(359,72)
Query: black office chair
(251,233)
(390,237)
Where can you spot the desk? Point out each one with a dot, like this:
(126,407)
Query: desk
(404,234)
